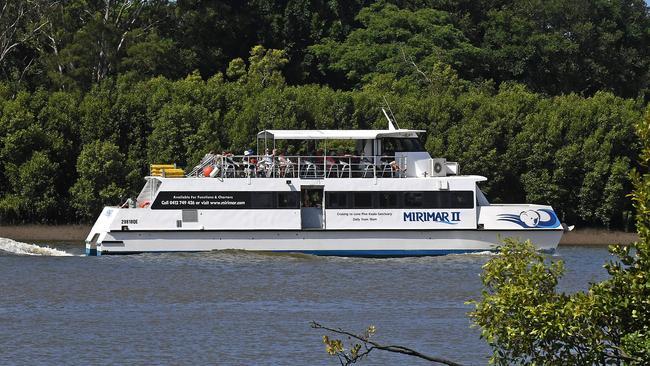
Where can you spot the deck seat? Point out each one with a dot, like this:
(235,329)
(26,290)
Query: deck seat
(345,166)
(309,166)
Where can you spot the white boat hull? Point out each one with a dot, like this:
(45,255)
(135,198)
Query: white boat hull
(366,243)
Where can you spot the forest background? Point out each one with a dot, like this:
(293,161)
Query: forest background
(540,97)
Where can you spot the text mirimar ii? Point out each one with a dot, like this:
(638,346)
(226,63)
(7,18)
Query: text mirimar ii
(384,196)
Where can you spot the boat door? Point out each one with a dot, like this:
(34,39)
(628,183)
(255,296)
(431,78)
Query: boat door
(311,207)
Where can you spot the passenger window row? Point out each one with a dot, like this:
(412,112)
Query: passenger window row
(408,199)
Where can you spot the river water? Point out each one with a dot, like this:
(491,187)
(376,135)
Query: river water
(238,308)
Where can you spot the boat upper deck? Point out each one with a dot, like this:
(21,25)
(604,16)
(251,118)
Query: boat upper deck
(316,167)
(389,153)
(305,167)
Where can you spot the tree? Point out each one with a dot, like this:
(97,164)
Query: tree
(102,33)
(101,176)
(561,47)
(170,140)
(263,68)
(211,33)
(390,40)
(20,23)
(38,189)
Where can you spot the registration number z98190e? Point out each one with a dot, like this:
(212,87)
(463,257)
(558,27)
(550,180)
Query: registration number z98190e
(129,221)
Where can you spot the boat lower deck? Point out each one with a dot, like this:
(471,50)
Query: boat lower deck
(365,243)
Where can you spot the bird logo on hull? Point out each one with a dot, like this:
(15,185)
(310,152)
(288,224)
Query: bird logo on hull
(543,218)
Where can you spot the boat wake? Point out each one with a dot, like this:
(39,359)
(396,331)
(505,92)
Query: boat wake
(486,252)
(18,248)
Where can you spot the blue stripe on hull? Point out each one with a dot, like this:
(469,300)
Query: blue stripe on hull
(384,253)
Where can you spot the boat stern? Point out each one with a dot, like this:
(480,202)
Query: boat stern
(99,231)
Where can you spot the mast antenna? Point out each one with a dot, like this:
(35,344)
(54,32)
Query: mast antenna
(393,120)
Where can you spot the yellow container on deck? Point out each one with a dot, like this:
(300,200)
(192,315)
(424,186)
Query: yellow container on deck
(163,166)
(166,170)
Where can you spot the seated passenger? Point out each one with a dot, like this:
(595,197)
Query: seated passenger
(268,158)
(395,167)
(266,165)
(285,164)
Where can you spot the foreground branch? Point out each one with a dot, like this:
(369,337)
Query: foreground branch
(370,345)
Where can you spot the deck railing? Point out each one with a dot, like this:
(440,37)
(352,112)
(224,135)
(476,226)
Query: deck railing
(306,167)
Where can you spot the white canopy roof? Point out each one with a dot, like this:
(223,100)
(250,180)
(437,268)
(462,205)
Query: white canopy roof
(335,134)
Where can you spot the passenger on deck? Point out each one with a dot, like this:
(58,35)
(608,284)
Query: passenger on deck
(285,164)
(266,165)
(267,158)
(396,168)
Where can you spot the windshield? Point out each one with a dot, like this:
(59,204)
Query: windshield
(391,145)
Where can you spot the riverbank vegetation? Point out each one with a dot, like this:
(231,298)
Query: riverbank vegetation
(539,97)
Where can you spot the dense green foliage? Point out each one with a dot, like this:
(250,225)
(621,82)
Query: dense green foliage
(539,97)
(526,320)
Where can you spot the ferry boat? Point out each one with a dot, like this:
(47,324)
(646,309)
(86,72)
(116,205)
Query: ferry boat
(387,198)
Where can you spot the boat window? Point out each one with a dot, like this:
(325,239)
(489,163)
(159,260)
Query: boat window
(463,199)
(312,197)
(413,199)
(263,200)
(448,199)
(391,145)
(288,199)
(362,199)
(337,200)
(388,199)
(408,200)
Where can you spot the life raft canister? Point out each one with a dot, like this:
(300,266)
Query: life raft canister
(207,170)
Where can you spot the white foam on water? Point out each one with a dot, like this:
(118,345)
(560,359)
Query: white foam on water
(482,253)
(16,247)
(487,252)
